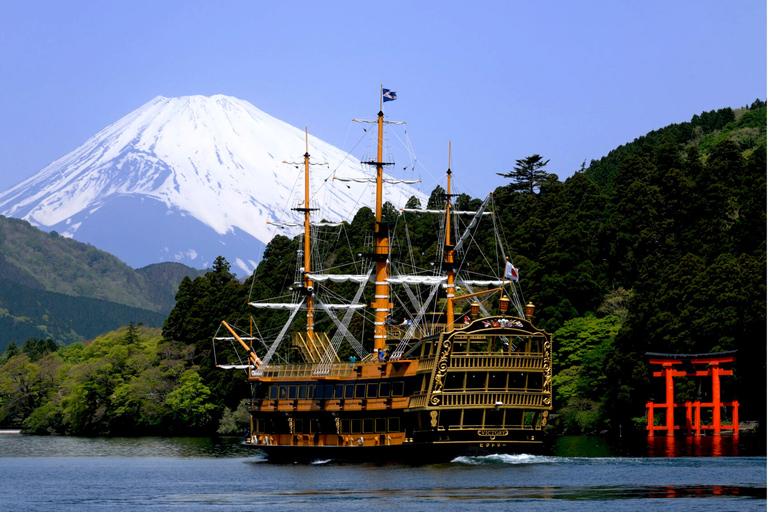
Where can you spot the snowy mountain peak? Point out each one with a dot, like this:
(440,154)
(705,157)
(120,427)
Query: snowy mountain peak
(186,179)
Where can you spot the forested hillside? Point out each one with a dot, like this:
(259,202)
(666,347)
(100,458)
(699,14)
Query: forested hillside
(56,287)
(660,246)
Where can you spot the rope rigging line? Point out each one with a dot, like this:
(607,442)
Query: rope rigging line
(267,358)
(333,348)
(400,349)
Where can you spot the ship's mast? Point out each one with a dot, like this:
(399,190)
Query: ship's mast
(306,284)
(307,252)
(449,250)
(381,304)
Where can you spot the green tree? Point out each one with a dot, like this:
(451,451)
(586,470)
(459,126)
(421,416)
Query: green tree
(189,403)
(528,174)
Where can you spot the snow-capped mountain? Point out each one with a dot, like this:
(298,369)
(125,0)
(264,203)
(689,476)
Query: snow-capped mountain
(187,179)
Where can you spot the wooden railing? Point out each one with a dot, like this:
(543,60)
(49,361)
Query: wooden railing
(426,364)
(491,398)
(514,361)
(418,400)
(481,399)
(305,370)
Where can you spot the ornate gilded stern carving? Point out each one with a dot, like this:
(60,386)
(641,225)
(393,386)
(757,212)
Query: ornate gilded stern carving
(441,368)
(547,386)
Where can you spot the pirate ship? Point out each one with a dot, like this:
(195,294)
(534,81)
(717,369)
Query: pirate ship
(467,372)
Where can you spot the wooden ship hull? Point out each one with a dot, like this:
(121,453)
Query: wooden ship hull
(482,388)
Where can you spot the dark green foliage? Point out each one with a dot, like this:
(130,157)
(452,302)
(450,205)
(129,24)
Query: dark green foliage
(436,198)
(28,313)
(36,348)
(126,382)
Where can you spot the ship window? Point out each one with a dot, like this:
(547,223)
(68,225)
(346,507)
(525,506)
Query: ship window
(345,427)
(302,391)
(473,418)
(339,391)
(259,426)
(384,389)
(381,425)
(494,417)
(454,380)
(360,391)
(528,419)
(514,418)
(350,391)
(476,380)
(398,388)
(329,391)
(310,392)
(291,392)
(298,426)
(478,346)
(318,391)
(272,392)
(450,418)
(283,391)
(516,380)
(373,388)
(394,424)
(368,426)
(356,426)
(497,380)
(313,427)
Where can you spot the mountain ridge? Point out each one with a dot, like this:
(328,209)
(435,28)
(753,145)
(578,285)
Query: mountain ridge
(37,260)
(210,168)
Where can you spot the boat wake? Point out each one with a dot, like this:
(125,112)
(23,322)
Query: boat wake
(503,458)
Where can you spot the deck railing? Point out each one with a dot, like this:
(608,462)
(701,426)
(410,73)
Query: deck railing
(513,361)
(305,370)
(481,399)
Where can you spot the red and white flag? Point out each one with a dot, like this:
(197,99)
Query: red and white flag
(511,272)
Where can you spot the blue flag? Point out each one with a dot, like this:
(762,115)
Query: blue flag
(389,95)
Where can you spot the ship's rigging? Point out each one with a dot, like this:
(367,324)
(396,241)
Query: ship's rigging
(400,285)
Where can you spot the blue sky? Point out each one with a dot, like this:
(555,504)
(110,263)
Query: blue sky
(501,80)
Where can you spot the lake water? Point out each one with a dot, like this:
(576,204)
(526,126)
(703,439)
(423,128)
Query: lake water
(190,474)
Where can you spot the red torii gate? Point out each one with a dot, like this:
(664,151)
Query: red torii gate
(689,363)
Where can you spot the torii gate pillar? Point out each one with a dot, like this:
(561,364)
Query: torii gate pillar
(709,366)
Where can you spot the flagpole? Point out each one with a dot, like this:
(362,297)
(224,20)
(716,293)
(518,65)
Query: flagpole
(504,275)
(381,97)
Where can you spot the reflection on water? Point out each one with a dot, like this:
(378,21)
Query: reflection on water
(57,446)
(709,446)
(565,446)
(484,494)
(200,474)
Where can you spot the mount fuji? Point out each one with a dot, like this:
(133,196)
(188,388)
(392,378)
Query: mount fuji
(188,179)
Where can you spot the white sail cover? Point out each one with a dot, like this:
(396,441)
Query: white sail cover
(373,180)
(455,212)
(428,280)
(339,278)
(299,224)
(273,305)
(479,283)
